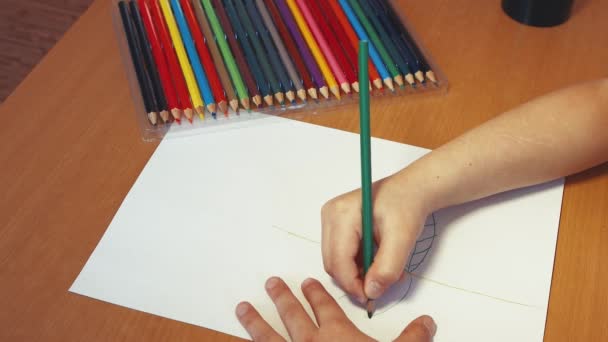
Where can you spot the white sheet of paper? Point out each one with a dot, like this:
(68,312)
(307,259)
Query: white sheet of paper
(212,216)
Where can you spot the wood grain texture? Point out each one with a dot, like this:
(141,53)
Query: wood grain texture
(70,151)
(28,30)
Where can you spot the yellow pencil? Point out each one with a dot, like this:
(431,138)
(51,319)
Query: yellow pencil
(314,48)
(195,94)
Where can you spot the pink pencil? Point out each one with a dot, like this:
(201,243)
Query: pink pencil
(331,58)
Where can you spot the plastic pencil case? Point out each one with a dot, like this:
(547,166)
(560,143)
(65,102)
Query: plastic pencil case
(428,80)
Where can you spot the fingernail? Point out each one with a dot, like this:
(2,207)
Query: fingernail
(242,309)
(307,282)
(272,283)
(373,290)
(430,325)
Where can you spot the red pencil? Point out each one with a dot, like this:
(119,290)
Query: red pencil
(347,66)
(205,55)
(160,60)
(176,71)
(332,8)
(291,48)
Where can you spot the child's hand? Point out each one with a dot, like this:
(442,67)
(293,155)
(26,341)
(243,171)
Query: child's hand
(399,216)
(331,322)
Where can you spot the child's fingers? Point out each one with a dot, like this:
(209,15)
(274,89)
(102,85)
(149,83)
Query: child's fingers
(256,326)
(389,262)
(299,325)
(343,246)
(422,329)
(324,306)
(340,241)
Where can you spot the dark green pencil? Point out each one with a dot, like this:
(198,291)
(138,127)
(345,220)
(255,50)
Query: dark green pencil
(272,51)
(366,167)
(252,59)
(263,58)
(373,36)
(391,48)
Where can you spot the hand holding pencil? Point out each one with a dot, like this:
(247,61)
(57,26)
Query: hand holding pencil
(381,212)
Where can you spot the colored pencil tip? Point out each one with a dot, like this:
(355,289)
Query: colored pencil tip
(190,119)
(214,114)
(371,307)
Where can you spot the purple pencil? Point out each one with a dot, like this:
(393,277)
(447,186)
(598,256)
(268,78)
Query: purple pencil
(309,60)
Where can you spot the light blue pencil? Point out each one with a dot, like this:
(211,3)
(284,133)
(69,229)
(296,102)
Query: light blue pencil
(195,61)
(373,53)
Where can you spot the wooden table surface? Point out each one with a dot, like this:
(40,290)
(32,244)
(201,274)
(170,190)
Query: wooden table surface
(70,150)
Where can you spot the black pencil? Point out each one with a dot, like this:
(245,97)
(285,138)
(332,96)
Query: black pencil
(137,59)
(151,68)
(409,41)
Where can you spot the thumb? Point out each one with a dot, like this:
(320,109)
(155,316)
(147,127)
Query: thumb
(389,263)
(422,329)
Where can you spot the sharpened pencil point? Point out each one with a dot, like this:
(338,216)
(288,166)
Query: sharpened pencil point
(371,307)
(431,76)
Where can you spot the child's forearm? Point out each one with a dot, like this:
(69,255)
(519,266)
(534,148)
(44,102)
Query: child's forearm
(550,137)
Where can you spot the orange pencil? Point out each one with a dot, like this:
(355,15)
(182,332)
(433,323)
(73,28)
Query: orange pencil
(336,10)
(205,55)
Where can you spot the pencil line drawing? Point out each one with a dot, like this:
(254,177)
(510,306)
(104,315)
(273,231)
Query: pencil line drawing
(417,276)
(421,250)
(295,235)
(423,246)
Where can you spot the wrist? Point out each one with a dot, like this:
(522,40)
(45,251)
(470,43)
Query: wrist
(418,183)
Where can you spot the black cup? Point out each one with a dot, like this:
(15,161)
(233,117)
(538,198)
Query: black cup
(542,13)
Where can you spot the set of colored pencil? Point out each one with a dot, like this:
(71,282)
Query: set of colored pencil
(204,56)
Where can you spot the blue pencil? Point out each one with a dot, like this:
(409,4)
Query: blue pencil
(195,61)
(373,53)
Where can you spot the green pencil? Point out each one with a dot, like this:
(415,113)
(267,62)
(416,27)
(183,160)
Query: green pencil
(366,166)
(391,65)
(233,69)
(388,43)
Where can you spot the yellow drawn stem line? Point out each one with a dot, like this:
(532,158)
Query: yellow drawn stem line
(417,276)
(296,235)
